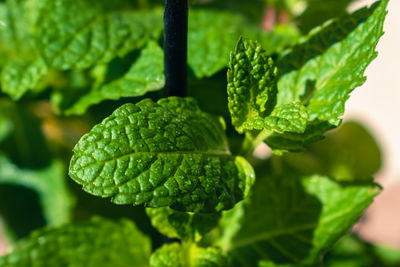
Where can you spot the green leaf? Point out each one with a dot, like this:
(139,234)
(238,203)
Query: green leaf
(167,153)
(175,255)
(49,183)
(333,63)
(99,242)
(183,225)
(323,69)
(18,77)
(252,79)
(290,117)
(22,69)
(145,75)
(212,34)
(78,34)
(291,219)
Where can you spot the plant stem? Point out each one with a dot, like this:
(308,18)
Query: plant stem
(251,142)
(175,46)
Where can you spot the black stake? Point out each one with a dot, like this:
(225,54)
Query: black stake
(175,46)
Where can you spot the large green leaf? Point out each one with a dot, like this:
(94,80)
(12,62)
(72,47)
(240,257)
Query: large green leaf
(77,34)
(99,242)
(212,34)
(175,255)
(145,75)
(167,153)
(49,183)
(324,68)
(291,219)
(184,225)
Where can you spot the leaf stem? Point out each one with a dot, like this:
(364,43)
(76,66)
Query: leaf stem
(175,46)
(251,141)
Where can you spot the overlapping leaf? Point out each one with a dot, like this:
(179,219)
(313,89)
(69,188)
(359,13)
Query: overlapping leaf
(99,242)
(167,153)
(145,75)
(291,219)
(319,72)
(175,255)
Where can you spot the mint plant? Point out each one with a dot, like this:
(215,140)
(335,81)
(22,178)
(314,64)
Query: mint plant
(191,97)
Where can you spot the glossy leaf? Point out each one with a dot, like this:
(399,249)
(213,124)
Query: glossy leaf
(323,69)
(167,153)
(175,255)
(252,78)
(145,75)
(99,242)
(291,219)
(291,117)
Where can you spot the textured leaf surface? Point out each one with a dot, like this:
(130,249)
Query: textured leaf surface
(291,219)
(49,183)
(18,77)
(323,69)
(333,63)
(98,242)
(145,75)
(183,225)
(175,255)
(212,34)
(161,154)
(252,78)
(78,34)
(291,117)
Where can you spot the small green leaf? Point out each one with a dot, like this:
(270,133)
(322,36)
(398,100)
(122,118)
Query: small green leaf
(252,78)
(183,225)
(18,77)
(99,242)
(167,153)
(175,255)
(78,34)
(291,219)
(291,117)
(49,183)
(145,75)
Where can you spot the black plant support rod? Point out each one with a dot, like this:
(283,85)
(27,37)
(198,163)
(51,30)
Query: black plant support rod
(175,46)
